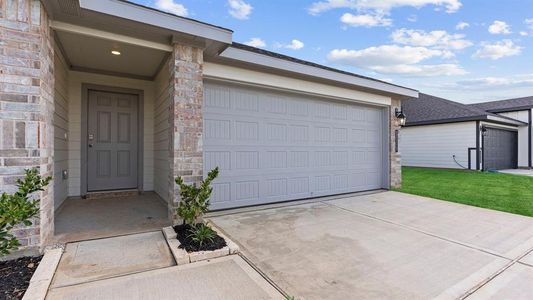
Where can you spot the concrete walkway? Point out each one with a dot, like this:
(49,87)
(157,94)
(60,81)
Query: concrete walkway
(388,246)
(140,266)
(224,278)
(522,172)
(105,258)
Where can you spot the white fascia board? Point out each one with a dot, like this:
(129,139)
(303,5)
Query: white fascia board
(156,18)
(506,120)
(282,64)
(246,76)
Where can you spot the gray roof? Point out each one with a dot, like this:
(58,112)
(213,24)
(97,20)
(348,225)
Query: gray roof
(429,109)
(505,105)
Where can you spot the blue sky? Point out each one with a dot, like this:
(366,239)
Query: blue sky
(464,50)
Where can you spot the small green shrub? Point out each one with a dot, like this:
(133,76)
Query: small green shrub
(19,208)
(202,234)
(195,200)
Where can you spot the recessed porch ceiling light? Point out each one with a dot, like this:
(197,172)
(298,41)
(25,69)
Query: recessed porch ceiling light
(115,52)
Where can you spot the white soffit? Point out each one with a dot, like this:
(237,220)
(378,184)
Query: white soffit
(86,53)
(85,31)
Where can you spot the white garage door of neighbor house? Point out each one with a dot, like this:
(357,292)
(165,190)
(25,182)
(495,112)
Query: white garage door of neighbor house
(272,146)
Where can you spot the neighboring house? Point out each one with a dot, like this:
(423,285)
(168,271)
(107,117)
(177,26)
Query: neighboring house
(107,95)
(486,136)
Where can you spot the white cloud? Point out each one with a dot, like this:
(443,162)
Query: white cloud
(393,59)
(172,7)
(256,42)
(295,45)
(438,39)
(462,25)
(529,23)
(239,9)
(380,5)
(320,7)
(424,70)
(483,83)
(366,20)
(383,55)
(499,27)
(498,50)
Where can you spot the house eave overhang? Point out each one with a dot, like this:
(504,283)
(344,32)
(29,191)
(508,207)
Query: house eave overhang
(488,118)
(236,55)
(147,27)
(140,22)
(508,121)
(137,13)
(511,109)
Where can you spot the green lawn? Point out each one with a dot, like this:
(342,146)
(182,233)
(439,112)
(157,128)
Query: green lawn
(510,193)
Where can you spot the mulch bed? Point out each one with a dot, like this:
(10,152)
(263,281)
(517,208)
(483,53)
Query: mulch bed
(15,276)
(183,232)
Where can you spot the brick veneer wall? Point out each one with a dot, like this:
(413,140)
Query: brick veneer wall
(27,106)
(395,157)
(186,118)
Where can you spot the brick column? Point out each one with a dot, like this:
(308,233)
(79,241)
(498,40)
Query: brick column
(395,157)
(27,106)
(186,72)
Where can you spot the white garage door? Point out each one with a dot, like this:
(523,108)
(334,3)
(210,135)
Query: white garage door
(272,146)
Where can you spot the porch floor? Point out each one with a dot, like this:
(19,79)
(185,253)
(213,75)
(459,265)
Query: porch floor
(84,219)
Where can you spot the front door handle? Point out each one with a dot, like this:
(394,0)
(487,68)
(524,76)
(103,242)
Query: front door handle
(90,145)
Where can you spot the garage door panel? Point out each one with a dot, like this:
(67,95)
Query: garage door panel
(274,147)
(221,193)
(500,149)
(277,160)
(217,130)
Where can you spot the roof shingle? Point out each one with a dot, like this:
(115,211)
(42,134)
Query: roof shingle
(503,105)
(427,109)
(431,109)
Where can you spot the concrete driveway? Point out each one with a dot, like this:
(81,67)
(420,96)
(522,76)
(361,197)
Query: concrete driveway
(388,245)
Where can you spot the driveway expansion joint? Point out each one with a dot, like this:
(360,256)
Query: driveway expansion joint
(496,274)
(478,286)
(441,249)
(263,274)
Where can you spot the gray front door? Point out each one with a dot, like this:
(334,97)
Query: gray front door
(112,137)
(500,149)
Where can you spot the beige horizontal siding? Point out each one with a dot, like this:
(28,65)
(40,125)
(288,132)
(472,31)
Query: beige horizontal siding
(435,145)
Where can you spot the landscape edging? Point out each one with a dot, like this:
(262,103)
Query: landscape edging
(183,257)
(42,278)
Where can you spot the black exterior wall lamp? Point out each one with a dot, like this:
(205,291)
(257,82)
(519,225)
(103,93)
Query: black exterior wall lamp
(400,116)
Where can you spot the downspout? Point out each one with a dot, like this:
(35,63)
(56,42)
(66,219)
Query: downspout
(478,163)
(483,148)
(529,138)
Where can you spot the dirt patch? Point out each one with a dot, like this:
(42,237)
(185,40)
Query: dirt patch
(183,235)
(15,276)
